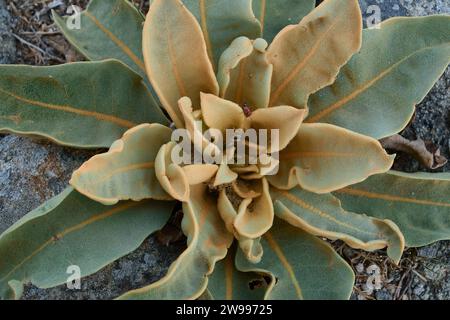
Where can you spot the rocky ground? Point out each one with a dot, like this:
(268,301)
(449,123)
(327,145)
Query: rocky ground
(33,171)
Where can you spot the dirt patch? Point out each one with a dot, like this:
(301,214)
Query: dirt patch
(422,274)
(38,39)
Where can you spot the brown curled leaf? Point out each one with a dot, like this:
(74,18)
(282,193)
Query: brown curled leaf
(428,154)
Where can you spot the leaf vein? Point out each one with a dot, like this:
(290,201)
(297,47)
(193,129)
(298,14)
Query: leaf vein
(69,230)
(117,41)
(97,115)
(340,103)
(285,262)
(381,196)
(321,213)
(301,64)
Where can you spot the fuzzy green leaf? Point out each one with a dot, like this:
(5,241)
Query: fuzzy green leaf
(245,73)
(307,56)
(222,22)
(274,15)
(107,29)
(418,203)
(323,158)
(176,57)
(301,266)
(208,242)
(228,283)
(376,92)
(127,170)
(85,104)
(322,215)
(70,230)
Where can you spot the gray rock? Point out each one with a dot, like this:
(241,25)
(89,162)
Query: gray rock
(383,294)
(434,270)
(409,8)
(32,172)
(436,251)
(7,47)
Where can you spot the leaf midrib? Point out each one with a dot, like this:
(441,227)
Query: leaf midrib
(204,26)
(262,17)
(285,262)
(100,116)
(366,86)
(388,197)
(300,65)
(124,169)
(229,277)
(300,202)
(117,41)
(317,154)
(59,236)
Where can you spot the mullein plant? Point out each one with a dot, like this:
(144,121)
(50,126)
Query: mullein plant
(332,89)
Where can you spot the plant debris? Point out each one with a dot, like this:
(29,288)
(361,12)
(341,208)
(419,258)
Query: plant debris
(423,273)
(425,151)
(39,41)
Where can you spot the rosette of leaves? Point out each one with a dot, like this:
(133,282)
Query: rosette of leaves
(331,88)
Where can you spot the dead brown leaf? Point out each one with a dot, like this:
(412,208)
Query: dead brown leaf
(427,153)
